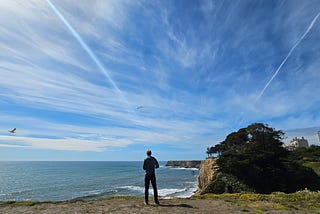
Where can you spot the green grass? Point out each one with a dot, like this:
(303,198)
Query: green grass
(301,200)
(259,203)
(314,165)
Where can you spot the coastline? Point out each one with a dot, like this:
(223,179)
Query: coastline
(59,181)
(124,204)
(300,202)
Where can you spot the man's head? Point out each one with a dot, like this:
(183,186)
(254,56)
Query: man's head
(149,152)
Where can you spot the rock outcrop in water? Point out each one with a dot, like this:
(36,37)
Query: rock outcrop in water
(184,164)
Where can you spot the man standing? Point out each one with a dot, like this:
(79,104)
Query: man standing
(149,165)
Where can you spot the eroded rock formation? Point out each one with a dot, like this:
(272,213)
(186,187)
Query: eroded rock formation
(207,174)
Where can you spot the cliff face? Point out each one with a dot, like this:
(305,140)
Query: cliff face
(184,164)
(207,174)
(208,170)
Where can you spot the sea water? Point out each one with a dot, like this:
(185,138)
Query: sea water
(59,181)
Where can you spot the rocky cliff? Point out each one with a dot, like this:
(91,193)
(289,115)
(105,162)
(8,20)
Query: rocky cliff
(184,164)
(207,174)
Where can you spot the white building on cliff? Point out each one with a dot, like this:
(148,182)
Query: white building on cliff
(297,143)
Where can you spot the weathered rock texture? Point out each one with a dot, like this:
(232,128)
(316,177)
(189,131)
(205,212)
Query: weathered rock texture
(207,174)
(184,164)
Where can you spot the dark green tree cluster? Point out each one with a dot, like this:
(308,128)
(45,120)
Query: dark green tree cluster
(303,154)
(255,155)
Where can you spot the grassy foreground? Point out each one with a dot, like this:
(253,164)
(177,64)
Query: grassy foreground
(313,165)
(299,202)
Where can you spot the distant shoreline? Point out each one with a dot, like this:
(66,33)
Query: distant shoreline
(184,163)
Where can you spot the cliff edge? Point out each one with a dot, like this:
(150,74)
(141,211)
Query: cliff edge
(207,174)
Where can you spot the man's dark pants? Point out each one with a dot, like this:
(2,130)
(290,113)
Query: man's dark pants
(147,179)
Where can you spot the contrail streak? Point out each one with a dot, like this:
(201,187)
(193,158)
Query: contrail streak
(289,54)
(86,48)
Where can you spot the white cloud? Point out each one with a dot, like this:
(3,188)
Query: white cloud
(11,146)
(148,131)
(67,144)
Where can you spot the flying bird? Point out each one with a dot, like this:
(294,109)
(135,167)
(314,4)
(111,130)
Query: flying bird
(13,130)
(139,107)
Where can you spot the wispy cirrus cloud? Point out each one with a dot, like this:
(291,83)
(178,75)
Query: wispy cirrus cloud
(196,69)
(288,55)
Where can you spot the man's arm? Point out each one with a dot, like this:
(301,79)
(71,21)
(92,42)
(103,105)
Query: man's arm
(156,163)
(144,165)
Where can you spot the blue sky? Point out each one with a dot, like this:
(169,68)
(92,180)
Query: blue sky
(74,72)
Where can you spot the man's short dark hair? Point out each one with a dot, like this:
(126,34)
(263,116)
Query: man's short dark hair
(149,152)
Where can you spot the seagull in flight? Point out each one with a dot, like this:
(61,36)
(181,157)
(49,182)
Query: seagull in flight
(13,130)
(139,107)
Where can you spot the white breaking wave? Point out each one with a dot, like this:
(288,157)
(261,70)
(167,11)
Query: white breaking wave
(168,192)
(135,188)
(187,194)
(181,168)
(93,192)
(182,193)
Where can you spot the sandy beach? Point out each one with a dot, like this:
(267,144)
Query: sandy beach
(135,205)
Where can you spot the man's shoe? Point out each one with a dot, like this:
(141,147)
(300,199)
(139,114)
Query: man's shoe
(157,203)
(145,203)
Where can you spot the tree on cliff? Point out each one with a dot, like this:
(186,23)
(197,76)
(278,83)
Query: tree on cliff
(303,154)
(256,156)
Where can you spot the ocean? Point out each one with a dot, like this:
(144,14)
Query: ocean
(60,181)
